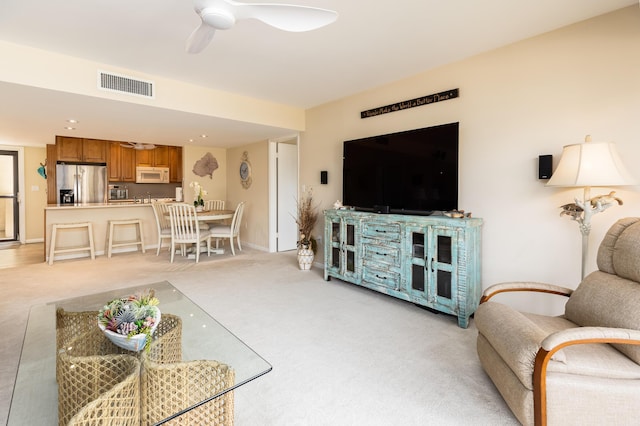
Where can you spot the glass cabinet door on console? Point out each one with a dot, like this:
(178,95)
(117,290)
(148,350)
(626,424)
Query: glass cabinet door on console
(433,266)
(341,236)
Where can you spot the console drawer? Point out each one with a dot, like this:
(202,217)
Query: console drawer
(380,277)
(378,253)
(382,231)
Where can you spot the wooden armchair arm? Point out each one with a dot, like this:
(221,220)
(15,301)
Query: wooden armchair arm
(491,291)
(561,339)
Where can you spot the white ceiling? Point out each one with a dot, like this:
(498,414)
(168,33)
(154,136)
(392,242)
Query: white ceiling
(372,43)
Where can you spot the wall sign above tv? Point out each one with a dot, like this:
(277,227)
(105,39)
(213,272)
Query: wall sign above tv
(412,103)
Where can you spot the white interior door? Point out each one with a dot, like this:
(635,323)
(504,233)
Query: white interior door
(287,183)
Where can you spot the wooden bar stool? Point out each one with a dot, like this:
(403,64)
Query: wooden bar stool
(139,235)
(54,235)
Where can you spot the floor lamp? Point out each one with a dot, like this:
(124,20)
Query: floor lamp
(585,165)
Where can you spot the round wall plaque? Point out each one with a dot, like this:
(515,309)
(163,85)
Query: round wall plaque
(245,170)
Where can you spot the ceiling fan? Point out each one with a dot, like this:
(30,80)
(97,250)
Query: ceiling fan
(222,15)
(138,145)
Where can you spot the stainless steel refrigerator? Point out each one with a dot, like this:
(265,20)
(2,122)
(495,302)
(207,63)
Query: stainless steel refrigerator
(81,183)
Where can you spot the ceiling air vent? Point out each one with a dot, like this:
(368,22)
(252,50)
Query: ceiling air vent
(124,84)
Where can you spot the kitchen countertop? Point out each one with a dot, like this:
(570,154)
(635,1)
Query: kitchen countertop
(114,203)
(92,206)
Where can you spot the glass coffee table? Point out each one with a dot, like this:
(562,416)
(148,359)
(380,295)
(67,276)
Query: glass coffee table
(195,365)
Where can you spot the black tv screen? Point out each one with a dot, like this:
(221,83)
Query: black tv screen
(410,172)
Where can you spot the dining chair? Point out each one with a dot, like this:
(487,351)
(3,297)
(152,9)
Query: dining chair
(220,231)
(211,205)
(185,229)
(214,204)
(161,212)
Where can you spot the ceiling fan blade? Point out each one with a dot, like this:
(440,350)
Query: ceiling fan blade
(126,145)
(287,17)
(222,15)
(148,146)
(200,38)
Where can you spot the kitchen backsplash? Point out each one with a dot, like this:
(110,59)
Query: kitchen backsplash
(143,190)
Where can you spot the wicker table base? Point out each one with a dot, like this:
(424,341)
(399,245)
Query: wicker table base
(100,383)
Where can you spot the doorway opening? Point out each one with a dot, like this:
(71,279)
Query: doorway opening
(9,213)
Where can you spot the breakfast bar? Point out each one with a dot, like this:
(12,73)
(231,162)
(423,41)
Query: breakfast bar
(99,215)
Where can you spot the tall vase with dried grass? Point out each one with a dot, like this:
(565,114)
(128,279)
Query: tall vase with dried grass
(306,220)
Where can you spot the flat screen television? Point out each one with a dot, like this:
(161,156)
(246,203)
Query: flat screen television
(410,172)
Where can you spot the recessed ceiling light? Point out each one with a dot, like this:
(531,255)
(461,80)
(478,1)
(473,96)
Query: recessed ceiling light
(71,120)
(190,140)
(69,128)
(203,136)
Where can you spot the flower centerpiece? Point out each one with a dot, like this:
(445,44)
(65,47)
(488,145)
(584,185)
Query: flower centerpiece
(306,220)
(199,193)
(129,322)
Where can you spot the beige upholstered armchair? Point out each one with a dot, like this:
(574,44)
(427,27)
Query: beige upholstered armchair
(579,368)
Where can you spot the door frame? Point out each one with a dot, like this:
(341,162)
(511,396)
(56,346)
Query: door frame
(273,186)
(20,174)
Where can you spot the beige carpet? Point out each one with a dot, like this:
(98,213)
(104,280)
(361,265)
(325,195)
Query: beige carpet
(341,354)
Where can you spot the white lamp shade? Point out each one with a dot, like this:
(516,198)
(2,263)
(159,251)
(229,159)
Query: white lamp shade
(591,164)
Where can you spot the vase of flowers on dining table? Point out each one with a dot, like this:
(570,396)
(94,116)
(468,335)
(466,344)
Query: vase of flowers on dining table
(199,194)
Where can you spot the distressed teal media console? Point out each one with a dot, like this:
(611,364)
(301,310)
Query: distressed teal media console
(432,261)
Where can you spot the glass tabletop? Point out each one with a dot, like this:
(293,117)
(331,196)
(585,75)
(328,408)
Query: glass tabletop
(202,339)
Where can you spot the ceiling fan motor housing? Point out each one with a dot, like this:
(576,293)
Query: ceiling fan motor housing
(218,18)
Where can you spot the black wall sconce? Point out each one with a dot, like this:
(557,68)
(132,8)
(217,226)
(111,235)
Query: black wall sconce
(324,177)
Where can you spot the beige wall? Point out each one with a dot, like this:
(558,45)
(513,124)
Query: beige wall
(216,184)
(255,223)
(35,193)
(515,103)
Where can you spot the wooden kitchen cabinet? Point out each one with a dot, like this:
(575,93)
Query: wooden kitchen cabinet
(94,151)
(81,150)
(175,164)
(121,166)
(114,164)
(68,149)
(128,165)
(158,157)
(121,161)
(144,157)
(161,156)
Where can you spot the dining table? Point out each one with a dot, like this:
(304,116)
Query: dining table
(207,216)
(213,215)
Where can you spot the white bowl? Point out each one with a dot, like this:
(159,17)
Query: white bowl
(134,343)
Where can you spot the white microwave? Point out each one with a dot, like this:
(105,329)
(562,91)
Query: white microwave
(152,175)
